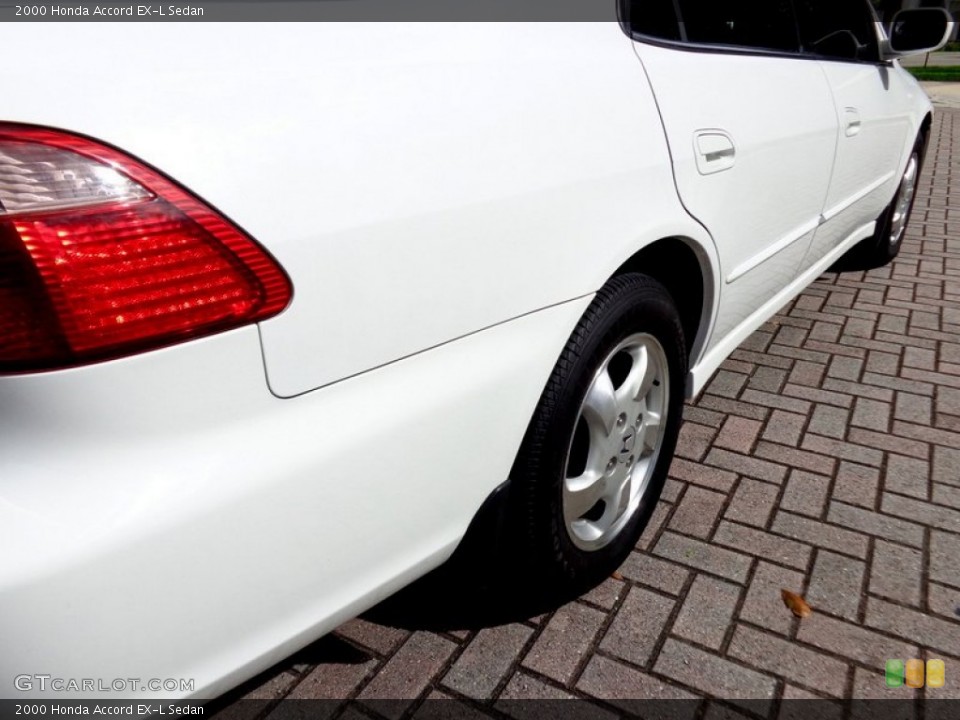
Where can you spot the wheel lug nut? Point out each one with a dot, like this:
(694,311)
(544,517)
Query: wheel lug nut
(630,461)
(622,420)
(612,465)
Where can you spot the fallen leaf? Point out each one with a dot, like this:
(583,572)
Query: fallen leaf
(617,576)
(798,606)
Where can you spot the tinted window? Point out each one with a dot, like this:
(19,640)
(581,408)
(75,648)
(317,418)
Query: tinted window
(755,24)
(839,29)
(654,18)
(886,9)
(763,24)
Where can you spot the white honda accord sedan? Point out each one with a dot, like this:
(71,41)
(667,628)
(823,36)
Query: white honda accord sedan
(283,307)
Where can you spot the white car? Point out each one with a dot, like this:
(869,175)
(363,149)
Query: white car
(282,307)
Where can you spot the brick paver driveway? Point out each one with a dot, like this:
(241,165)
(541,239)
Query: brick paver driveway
(823,458)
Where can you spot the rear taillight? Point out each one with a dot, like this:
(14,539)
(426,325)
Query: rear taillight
(100,257)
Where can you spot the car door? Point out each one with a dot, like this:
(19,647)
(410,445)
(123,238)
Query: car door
(752,130)
(873,105)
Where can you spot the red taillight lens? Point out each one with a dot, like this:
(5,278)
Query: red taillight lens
(100,256)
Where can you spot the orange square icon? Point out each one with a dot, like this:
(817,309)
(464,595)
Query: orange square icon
(915,673)
(936,673)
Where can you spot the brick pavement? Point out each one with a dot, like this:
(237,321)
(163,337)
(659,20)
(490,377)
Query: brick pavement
(824,457)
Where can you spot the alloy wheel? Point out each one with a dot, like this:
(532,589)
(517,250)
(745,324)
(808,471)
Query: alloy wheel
(904,201)
(617,440)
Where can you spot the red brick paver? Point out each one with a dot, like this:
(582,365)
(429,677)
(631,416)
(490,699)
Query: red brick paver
(824,457)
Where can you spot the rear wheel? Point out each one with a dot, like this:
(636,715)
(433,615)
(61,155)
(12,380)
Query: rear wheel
(593,462)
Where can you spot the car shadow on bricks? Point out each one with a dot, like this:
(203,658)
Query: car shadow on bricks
(266,689)
(479,587)
(451,599)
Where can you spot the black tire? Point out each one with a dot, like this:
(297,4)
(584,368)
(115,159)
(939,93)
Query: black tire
(884,245)
(539,543)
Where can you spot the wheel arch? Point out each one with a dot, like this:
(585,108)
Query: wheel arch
(926,125)
(685,268)
(923,135)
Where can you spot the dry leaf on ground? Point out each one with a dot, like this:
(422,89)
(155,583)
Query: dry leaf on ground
(798,606)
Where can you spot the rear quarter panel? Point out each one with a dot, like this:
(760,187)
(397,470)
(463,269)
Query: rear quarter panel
(419,182)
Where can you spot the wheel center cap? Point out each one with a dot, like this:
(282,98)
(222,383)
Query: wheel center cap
(627,442)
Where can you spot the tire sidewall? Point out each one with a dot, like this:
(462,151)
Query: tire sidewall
(883,247)
(634,303)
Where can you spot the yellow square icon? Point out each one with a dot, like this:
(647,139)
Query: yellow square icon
(936,673)
(915,673)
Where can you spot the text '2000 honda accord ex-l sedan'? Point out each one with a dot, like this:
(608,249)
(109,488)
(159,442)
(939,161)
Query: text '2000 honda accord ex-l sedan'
(275,326)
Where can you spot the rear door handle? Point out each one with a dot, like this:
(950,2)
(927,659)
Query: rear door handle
(715,151)
(851,122)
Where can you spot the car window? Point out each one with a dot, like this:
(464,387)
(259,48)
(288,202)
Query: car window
(838,29)
(761,24)
(886,9)
(654,18)
(753,24)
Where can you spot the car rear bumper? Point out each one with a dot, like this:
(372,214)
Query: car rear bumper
(166,517)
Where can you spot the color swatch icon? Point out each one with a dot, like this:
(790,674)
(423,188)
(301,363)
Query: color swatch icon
(936,674)
(915,673)
(894,673)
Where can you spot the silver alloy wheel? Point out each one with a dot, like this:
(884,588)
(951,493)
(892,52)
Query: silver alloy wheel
(616,443)
(901,208)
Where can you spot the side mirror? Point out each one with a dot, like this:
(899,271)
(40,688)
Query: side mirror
(918,31)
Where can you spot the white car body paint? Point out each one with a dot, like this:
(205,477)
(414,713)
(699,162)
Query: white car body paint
(760,243)
(190,524)
(878,127)
(446,200)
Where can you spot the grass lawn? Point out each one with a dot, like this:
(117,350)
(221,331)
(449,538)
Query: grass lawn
(942,73)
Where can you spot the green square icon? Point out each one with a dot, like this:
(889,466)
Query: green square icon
(894,673)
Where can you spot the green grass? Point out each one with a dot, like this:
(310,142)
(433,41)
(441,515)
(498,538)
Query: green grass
(943,73)
(952,47)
